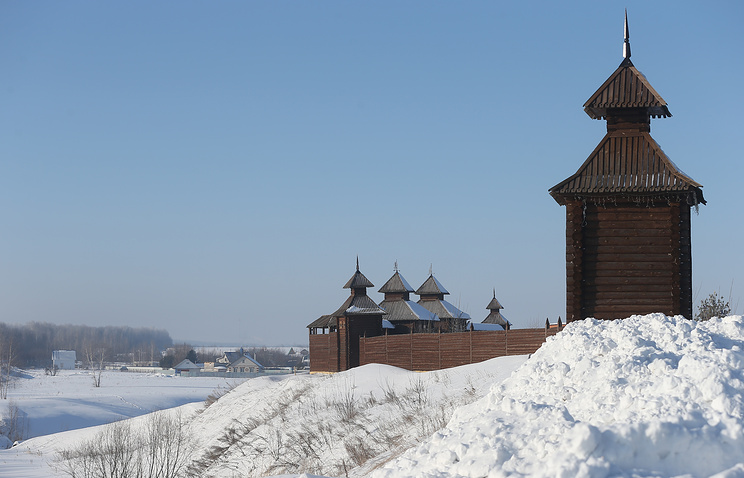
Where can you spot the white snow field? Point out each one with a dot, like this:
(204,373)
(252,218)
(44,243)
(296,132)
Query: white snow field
(69,401)
(648,396)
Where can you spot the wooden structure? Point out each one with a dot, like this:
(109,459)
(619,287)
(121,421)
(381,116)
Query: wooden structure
(334,338)
(403,314)
(494,313)
(628,247)
(423,352)
(407,334)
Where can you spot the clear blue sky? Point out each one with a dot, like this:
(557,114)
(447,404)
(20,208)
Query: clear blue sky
(215,168)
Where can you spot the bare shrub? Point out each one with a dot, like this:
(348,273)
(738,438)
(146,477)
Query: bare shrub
(713,306)
(14,423)
(161,449)
(219,393)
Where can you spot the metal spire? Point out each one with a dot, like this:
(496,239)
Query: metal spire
(626,42)
(430,268)
(494,292)
(357,263)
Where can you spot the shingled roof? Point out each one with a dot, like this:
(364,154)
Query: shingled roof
(431,286)
(626,88)
(629,163)
(396,284)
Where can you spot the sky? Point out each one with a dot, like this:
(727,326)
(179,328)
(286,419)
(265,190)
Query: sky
(215,169)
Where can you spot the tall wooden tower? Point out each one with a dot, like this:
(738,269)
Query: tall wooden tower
(628,206)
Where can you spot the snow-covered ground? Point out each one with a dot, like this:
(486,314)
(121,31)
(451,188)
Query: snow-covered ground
(643,397)
(69,401)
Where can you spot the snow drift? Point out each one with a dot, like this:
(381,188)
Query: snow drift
(645,396)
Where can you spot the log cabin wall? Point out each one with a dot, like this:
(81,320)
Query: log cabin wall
(628,258)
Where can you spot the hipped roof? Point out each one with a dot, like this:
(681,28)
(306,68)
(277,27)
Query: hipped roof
(628,163)
(396,284)
(431,286)
(626,88)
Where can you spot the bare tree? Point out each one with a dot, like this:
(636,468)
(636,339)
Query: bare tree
(161,449)
(95,357)
(14,422)
(7,356)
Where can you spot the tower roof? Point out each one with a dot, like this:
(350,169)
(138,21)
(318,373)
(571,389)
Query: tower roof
(628,164)
(494,304)
(396,284)
(358,280)
(626,88)
(431,286)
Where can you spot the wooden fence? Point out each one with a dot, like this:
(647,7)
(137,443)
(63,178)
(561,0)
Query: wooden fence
(436,351)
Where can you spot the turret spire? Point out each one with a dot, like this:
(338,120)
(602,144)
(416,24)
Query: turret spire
(357,263)
(626,42)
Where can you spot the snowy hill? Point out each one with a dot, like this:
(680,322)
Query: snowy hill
(645,396)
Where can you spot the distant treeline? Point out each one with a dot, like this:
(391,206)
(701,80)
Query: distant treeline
(33,343)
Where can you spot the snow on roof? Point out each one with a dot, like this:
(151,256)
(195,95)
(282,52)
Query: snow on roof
(386,324)
(422,312)
(454,311)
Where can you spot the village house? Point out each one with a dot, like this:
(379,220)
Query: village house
(243,364)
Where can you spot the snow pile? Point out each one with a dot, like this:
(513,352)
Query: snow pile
(645,396)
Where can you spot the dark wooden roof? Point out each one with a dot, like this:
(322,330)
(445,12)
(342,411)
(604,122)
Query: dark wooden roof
(358,280)
(494,304)
(495,317)
(628,163)
(431,286)
(396,284)
(406,311)
(626,88)
(324,321)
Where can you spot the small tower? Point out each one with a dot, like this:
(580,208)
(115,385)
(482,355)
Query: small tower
(357,316)
(494,316)
(405,315)
(431,295)
(628,247)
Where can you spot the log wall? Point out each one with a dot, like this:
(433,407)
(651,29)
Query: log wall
(628,259)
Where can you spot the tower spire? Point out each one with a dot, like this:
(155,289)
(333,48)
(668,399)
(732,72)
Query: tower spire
(357,263)
(626,41)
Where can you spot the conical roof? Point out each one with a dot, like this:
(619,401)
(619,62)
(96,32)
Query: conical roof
(358,280)
(396,284)
(431,286)
(494,304)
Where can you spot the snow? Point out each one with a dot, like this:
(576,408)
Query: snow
(647,396)
(69,400)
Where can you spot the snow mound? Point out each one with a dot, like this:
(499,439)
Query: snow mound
(644,396)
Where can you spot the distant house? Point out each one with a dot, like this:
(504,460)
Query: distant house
(245,364)
(63,359)
(186,365)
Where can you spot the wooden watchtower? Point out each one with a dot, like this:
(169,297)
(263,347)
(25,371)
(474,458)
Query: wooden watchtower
(628,247)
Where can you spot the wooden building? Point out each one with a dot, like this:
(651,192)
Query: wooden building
(431,297)
(405,315)
(628,247)
(494,314)
(358,316)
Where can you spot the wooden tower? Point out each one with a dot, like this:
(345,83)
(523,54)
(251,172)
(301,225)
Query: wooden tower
(628,206)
